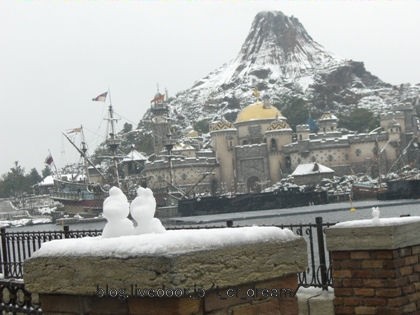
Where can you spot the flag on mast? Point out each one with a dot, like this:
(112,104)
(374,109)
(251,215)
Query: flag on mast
(75,130)
(100,98)
(49,159)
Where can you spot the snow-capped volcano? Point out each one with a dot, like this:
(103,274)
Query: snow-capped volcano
(282,61)
(277,47)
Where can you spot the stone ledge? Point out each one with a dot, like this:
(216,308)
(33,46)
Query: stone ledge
(391,236)
(223,267)
(314,301)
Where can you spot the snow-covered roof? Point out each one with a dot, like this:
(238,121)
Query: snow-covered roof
(134,155)
(182,146)
(311,168)
(169,242)
(47,181)
(328,116)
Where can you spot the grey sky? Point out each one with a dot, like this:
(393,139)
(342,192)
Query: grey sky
(55,56)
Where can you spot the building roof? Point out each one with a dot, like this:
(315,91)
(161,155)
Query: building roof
(47,181)
(328,116)
(134,155)
(182,147)
(311,168)
(258,111)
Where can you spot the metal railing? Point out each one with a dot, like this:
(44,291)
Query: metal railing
(16,247)
(318,273)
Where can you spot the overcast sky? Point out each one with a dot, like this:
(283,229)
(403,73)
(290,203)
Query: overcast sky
(55,56)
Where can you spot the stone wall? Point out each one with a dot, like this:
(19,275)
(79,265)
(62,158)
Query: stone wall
(253,277)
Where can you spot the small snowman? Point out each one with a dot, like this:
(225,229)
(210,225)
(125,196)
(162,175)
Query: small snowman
(116,210)
(142,210)
(375,214)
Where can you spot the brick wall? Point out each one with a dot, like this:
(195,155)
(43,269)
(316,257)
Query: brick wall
(376,266)
(377,281)
(240,300)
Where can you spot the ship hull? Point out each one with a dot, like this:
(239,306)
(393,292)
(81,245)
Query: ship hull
(249,202)
(74,206)
(401,189)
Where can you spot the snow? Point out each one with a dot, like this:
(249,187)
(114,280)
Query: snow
(375,215)
(310,168)
(377,222)
(169,243)
(305,81)
(116,210)
(134,155)
(46,210)
(142,210)
(47,181)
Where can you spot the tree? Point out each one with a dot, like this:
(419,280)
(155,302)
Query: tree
(202,126)
(127,127)
(294,109)
(46,171)
(33,177)
(360,119)
(14,182)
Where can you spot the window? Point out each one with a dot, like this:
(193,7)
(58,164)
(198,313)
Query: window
(330,157)
(273,144)
(358,152)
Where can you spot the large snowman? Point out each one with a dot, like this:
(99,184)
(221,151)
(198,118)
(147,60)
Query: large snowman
(115,210)
(142,210)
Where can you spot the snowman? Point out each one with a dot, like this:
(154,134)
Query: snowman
(115,210)
(142,210)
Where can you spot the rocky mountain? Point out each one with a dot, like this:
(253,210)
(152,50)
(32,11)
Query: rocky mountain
(282,61)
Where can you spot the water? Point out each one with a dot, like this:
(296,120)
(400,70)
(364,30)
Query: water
(337,212)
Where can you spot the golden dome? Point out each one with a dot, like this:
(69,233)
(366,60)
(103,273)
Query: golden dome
(192,134)
(258,111)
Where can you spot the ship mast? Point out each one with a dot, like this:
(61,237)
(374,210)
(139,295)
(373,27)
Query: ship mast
(82,152)
(112,141)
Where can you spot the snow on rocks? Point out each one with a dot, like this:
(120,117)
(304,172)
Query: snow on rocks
(376,221)
(169,243)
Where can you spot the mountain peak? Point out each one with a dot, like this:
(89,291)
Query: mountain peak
(282,43)
(281,60)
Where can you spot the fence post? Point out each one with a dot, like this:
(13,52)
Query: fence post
(5,262)
(321,253)
(66,231)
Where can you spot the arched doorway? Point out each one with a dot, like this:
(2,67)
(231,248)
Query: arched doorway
(253,184)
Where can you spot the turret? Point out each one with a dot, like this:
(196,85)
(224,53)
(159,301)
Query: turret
(327,122)
(224,140)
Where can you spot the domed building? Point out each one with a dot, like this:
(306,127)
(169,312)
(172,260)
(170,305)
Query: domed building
(259,148)
(249,150)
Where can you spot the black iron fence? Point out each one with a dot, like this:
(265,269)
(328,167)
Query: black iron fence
(16,247)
